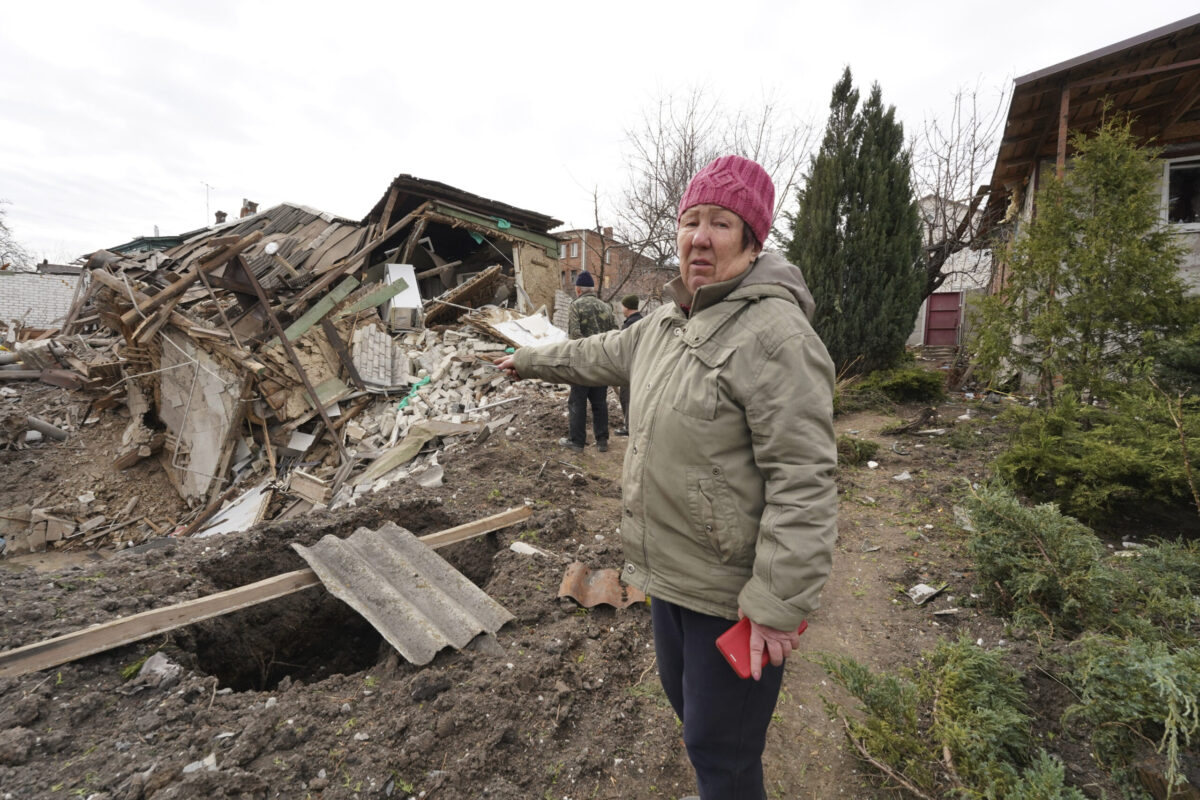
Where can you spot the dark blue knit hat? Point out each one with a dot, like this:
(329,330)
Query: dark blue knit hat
(585,279)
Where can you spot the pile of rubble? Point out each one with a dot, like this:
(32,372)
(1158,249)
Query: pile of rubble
(266,380)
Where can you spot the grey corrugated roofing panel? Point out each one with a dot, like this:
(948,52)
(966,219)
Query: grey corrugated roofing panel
(417,601)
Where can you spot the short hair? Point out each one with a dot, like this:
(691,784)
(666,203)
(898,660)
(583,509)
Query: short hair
(749,240)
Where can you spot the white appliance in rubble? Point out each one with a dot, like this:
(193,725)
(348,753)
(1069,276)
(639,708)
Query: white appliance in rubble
(403,310)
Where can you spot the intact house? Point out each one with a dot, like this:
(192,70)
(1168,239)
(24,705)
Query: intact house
(1154,77)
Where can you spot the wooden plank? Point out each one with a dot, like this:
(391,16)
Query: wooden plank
(375,298)
(119,286)
(382,224)
(353,262)
(98,638)
(207,262)
(319,309)
(126,630)
(479,527)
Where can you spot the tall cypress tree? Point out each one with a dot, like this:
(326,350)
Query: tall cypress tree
(856,234)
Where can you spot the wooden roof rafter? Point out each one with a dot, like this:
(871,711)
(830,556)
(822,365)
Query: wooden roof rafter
(1154,76)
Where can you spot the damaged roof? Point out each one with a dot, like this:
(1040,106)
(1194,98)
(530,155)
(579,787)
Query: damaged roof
(410,192)
(1154,76)
(308,239)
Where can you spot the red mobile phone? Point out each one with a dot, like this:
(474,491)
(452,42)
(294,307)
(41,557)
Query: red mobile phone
(734,644)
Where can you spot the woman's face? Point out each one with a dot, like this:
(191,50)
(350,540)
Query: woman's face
(709,241)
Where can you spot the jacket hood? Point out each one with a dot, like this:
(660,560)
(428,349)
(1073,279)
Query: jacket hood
(768,270)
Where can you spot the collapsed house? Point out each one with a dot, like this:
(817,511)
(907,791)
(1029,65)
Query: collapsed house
(292,351)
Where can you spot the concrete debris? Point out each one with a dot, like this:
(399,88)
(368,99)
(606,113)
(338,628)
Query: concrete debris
(922,593)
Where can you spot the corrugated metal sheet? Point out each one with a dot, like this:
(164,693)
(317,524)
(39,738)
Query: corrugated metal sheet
(591,587)
(416,600)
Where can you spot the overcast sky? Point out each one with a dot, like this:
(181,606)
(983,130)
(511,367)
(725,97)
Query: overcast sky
(117,117)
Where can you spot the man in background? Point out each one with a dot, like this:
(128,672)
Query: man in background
(588,316)
(629,307)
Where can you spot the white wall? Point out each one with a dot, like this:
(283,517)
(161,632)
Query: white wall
(35,300)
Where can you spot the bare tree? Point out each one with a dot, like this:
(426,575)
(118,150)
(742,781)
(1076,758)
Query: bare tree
(12,254)
(677,137)
(952,160)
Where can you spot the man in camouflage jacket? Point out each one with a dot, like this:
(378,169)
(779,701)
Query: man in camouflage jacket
(588,316)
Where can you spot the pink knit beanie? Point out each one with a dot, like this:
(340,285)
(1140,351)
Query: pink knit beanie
(738,184)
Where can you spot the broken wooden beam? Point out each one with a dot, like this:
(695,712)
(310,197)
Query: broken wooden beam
(343,354)
(126,630)
(358,259)
(120,287)
(207,262)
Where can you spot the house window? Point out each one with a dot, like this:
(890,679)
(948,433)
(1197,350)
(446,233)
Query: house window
(562,250)
(608,256)
(1181,189)
(574,249)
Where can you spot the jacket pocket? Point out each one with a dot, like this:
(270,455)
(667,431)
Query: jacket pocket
(714,516)
(699,383)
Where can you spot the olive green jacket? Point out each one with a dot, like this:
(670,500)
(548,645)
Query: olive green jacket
(589,315)
(728,485)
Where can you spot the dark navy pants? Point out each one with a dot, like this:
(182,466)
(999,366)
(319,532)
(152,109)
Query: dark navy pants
(577,403)
(724,717)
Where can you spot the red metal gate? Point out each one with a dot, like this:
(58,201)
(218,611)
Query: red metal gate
(941,319)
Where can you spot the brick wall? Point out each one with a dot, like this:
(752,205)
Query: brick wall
(35,300)
(603,256)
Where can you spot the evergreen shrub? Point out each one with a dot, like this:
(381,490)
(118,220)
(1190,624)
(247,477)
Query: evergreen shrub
(962,723)
(853,452)
(1131,690)
(1177,363)
(1095,462)
(1037,565)
(903,385)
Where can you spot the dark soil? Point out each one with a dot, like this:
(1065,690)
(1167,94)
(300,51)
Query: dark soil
(300,698)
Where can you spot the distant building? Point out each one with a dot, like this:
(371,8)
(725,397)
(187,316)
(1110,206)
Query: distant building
(615,265)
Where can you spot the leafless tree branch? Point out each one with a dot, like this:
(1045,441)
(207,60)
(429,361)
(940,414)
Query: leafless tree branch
(952,159)
(12,254)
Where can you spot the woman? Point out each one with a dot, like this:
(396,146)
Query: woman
(728,490)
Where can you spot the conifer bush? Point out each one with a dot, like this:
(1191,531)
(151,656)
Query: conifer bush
(1095,462)
(960,728)
(1131,690)
(1037,565)
(906,385)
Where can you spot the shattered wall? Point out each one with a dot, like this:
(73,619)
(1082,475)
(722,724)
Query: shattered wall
(538,274)
(199,402)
